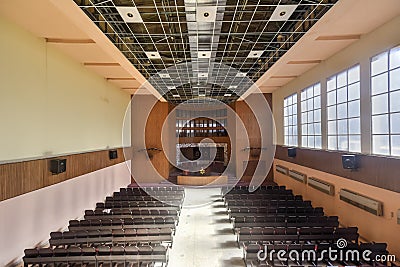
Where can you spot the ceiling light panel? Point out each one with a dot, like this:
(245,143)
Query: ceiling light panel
(153,55)
(129,14)
(283,12)
(206,13)
(204,54)
(164,75)
(255,53)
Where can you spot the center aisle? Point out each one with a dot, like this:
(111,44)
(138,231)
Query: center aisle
(204,236)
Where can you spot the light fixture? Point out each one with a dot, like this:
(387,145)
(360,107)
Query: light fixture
(202,94)
(282,12)
(203,74)
(164,75)
(129,14)
(153,55)
(171,87)
(241,74)
(204,54)
(232,87)
(206,13)
(176,95)
(255,53)
(227,94)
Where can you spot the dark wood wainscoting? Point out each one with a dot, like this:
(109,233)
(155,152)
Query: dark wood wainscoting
(23,177)
(377,171)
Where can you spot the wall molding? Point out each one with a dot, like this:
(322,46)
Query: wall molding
(17,178)
(373,170)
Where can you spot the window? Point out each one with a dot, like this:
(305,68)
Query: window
(385,98)
(311,117)
(343,111)
(290,120)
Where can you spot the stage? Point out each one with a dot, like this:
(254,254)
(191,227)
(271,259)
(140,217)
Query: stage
(202,180)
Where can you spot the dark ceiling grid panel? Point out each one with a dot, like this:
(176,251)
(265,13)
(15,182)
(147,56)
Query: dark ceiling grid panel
(240,27)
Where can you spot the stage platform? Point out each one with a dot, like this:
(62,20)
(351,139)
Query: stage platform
(202,180)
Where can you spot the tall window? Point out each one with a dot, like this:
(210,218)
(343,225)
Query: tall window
(385,97)
(290,120)
(343,111)
(311,116)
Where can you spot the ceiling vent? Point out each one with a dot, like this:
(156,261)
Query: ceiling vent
(204,54)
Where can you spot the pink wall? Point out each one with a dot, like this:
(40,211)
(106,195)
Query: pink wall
(28,219)
(371,227)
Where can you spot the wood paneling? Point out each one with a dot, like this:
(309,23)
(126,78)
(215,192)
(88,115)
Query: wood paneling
(253,131)
(23,177)
(154,126)
(373,170)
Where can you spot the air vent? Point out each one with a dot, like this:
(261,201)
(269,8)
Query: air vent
(301,177)
(282,169)
(363,202)
(153,55)
(322,186)
(204,54)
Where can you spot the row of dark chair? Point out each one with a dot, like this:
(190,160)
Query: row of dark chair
(101,256)
(111,237)
(245,188)
(285,221)
(137,213)
(138,204)
(267,203)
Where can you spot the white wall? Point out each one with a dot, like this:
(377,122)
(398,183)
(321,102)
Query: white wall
(50,104)
(377,41)
(28,219)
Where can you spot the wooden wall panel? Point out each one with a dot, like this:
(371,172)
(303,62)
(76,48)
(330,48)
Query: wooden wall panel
(254,135)
(23,177)
(377,171)
(154,126)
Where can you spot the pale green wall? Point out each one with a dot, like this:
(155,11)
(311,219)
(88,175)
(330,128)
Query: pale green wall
(49,103)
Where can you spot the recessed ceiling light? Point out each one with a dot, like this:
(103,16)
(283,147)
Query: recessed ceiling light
(204,54)
(203,75)
(202,94)
(227,94)
(240,74)
(206,13)
(232,87)
(153,55)
(164,75)
(129,14)
(255,53)
(176,95)
(283,12)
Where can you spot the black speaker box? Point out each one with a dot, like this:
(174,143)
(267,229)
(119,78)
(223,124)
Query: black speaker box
(58,166)
(291,152)
(113,154)
(349,162)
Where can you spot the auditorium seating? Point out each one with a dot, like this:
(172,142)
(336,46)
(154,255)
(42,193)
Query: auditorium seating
(272,217)
(133,227)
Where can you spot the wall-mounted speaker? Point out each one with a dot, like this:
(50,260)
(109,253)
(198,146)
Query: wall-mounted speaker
(349,162)
(291,152)
(58,166)
(113,154)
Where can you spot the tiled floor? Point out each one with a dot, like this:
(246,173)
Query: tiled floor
(204,236)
